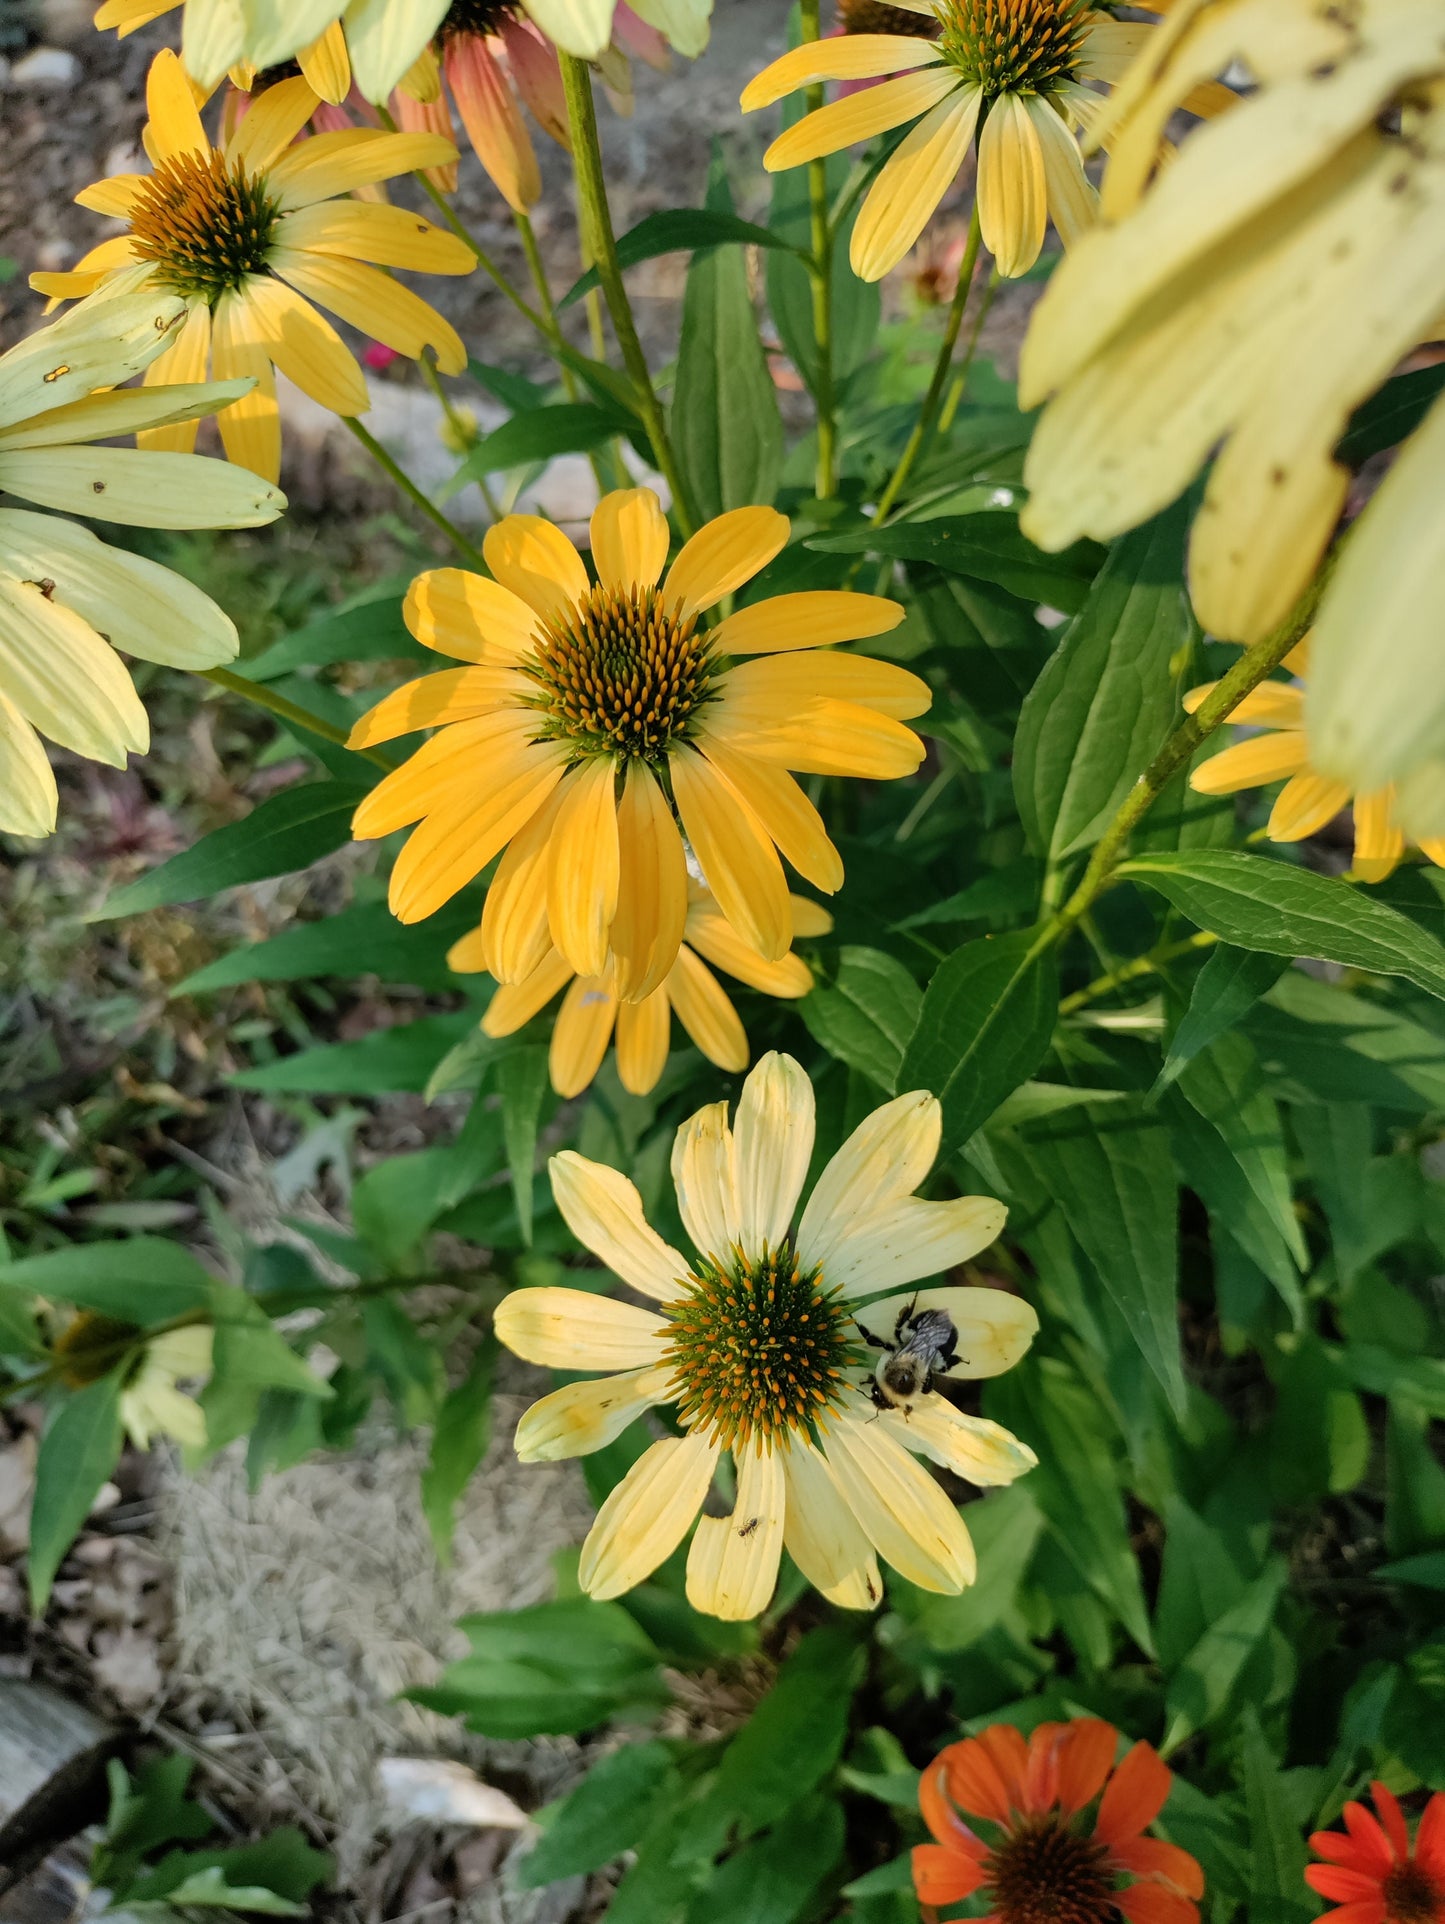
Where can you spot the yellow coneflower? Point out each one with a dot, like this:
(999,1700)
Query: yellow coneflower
(591,1010)
(589,710)
(1239,305)
(250,235)
(763,1344)
(152,1405)
(67,601)
(1019,74)
(1282,750)
(379,40)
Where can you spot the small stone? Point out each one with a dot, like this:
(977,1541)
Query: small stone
(54,256)
(46,67)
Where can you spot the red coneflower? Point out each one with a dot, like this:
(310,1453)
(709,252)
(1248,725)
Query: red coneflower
(1370,1872)
(1050,1830)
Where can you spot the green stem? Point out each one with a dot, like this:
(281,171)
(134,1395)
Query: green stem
(601,243)
(820,272)
(1247,673)
(960,379)
(290,712)
(928,413)
(1126,972)
(472,556)
(460,431)
(538,271)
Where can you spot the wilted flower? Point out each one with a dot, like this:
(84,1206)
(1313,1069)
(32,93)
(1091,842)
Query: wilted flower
(591,1010)
(67,601)
(763,1343)
(151,1404)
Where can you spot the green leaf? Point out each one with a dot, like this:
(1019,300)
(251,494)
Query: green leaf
(678,230)
(1319,1441)
(1426,1572)
(1387,417)
(795,1736)
(281,1866)
(371,630)
(725,421)
(985,1024)
(459,1441)
(142,1280)
(540,434)
(774,1879)
(1106,698)
(285,832)
(208,1890)
(364,940)
(1227,987)
(522,1085)
(1076,1484)
(1198,1582)
(402,1058)
(77,1454)
(1414,1498)
(1225,1086)
(1005,1526)
(983,547)
(1277,1855)
(866,1015)
(1257,903)
(1113,1179)
(1203,1686)
(607,1814)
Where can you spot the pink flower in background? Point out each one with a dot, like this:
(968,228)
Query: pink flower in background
(377,356)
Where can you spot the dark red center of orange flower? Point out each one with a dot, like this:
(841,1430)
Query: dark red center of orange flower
(1045,1874)
(476,16)
(1412,1895)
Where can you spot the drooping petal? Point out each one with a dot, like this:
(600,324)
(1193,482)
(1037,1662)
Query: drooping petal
(652,886)
(713,936)
(515,1003)
(903,1512)
(515,935)
(454,695)
(1303,806)
(330,164)
(372,231)
(64,679)
(647,1515)
(913,181)
(702,1006)
(1012,188)
(644,1031)
(367,299)
(586,1416)
(29,799)
(604,1212)
(773,1145)
(732,1564)
(137,488)
(1072,201)
(860,116)
(737,856)
(784,812)
(386,39)
(493,119)
(575,1329)
(251,428)
(821,1534)
(856,56)
(1152,1857)
(942,1876)
(585,866)
(1251,763)
(580,1035)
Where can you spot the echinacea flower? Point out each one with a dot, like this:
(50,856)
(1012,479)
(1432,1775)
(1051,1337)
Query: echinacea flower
(879,16)
(587,711)
(383,38)
(591,1010)
(762,1343)
(67,601)
(1016,73)
(1050,1827)
(151,1404)
(250,235)
(1372,1874)
(1239,306)
(1282,749)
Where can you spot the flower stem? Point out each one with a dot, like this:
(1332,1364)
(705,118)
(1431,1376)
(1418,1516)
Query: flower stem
(1225,696)
(1141,965)
(601,243)
(538,270)
(471,555)
(960,379)
(290,712)
(928,413)
(459,430)
(820,272)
